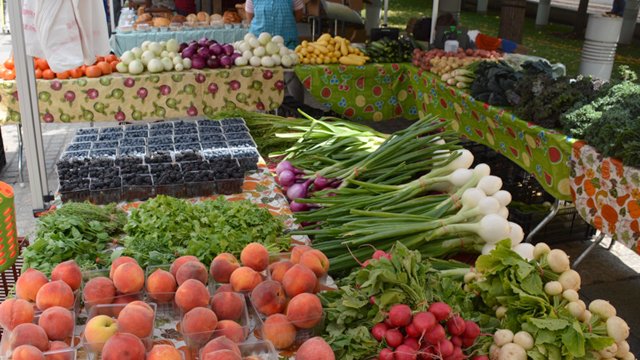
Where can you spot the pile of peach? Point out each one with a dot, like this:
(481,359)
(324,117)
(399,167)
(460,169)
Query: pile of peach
(41,321)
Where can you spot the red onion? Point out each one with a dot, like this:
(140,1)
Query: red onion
(287,178)
(213,62)
(182,47)
(320,183)
(284,165)
(228,49)
(216,49)
(188,52)
(204,52)
(299,190)
(198,62)
(226,61)
(235,55)
(297,207)
(203,42)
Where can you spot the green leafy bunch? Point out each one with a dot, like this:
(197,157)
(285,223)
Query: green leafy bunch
(79,231)
(164,227)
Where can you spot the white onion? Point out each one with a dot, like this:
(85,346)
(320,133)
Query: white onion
(525,250)
(482,170)
(516,234)
(487,248)
(264,38)
(471,197)
(127,57)
(460,177)
(488,205)
(493,228)
(504,212)
(490,184)
(503,196)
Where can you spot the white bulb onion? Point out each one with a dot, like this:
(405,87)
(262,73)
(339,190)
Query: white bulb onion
(490,184)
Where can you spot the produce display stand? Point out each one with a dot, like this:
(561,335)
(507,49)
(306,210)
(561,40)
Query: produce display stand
(607,195)
(384,91)
(122,41)
(147,97)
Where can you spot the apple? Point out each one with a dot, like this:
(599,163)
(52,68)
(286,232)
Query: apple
(98,330)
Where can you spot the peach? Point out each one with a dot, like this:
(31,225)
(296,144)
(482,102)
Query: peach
(191,294)
(224,288)
(29,283)
(121,300)
(297,252)
(119,261)
(269,297)
(179,262)
(222,355)
(222,266)
(231,329)
(317,261)
(228,305)
(99,290)
(192,270)
(57,322)
(245,279)
(128,278)
(305,311)
(69,272)
(198,325)
(136,318)
(29,334)
(27,352)
(161,286)
(279,330)
(299,279)
(14,312)
(56,351)
(55,293)
(164,352)
(278,269)
(98,330)
(255,256)
(315,349)
(123,346)
(220,343)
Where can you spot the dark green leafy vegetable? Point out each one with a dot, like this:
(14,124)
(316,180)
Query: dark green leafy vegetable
(79,231)
(391,51)
(164,228)
(495,82)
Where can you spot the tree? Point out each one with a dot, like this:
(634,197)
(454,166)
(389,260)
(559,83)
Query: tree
(512,17)
(581,18)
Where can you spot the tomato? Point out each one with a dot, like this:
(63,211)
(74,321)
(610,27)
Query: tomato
(76,73)
(38,74)
(113,65)
(110,58)
(105,68)
(63,75)
(9,63)
(94,71)
(99,59)
(42,64)
(9,74)
(48,74)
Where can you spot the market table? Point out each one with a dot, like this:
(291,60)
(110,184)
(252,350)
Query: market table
(121,42)
(147,97)
(384,91)
(607,195)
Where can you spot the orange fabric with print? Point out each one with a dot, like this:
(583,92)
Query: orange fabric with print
(489,43)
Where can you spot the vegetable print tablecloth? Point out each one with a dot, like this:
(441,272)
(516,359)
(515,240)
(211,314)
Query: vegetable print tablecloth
(120,42)
(384,91)
(125,97)
(606,194)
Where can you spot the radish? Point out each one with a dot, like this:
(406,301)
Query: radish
(617,329)
(386,354)
(524,339)
(378,331)
(457,355)
(467,342)
(423,321)
(602,308)
(456,341)
(411,330)
(393,338)
(378,254)
(445,347)
(512,351)
(400,315)
(471,330)
(501,311)
(553,288)
(412,343)
(404,352)
(455,325)
(440,310)
(480,357)
(436,334)
(558,261)
(540,249)
(502,337)
(570,279)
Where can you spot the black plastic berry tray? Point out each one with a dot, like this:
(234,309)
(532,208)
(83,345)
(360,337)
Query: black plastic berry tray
(136,128)
(110,136)
(232,121)
(229,186)
(187,155)
(158,157)
(79,146)
(87,131)
(160,132)
(235,128)
(85,138)
(111,130)
(210,130)
(137,187)
(111,144)
(136,134)
(209,123)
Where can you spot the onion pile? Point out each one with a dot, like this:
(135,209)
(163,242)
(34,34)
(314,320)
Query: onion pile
(153,56)
(206,53)
(297,186)
(264,50)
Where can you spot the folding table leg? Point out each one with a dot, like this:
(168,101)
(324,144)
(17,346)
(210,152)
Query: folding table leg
(545,221)
(584,254)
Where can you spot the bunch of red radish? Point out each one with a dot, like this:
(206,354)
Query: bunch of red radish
(296,184)
(432,334)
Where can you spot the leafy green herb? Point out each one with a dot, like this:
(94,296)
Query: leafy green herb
(79,231)
(164,227)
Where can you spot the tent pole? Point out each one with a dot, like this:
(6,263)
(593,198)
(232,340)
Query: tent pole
(434,18)
(112,17)
(27,93)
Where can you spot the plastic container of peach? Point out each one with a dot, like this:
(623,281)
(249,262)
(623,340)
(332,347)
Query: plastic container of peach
(166,307)
(102,291)
(258,350)
(53,332)
(232,322)
(134,325)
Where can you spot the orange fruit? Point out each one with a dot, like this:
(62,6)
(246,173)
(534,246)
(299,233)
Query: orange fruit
(76,73)
(94,71)
(9,63)
(42,64)
(113,65)
(110,58)
(38,74)
(48,74)
(63,75)
(105,67)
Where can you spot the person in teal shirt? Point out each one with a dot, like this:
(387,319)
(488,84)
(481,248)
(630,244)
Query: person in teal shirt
(277,17)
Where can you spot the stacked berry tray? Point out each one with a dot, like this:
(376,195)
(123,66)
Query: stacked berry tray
(178,158)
